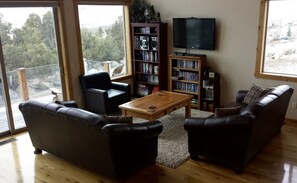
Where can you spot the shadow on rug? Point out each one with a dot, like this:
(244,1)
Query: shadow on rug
(173,141)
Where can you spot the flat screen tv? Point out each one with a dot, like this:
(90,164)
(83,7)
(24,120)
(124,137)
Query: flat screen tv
(194,33)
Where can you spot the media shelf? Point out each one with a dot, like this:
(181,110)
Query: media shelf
(186,76)
(211,92)
(149,57)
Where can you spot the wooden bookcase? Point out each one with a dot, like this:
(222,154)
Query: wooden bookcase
(211,92)
(186,76)
(149,57)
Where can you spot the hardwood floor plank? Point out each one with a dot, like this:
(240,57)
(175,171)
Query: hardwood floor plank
(276,163)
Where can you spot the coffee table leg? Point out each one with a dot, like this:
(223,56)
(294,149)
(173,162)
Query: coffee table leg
(124,112)
(188,109)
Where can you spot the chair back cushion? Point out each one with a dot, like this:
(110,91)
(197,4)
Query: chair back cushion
(99,80)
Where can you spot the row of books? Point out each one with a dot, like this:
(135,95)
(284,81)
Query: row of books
(189,87)
(191,76)
(149,78)
(150,56)
(191,64)
(148,68)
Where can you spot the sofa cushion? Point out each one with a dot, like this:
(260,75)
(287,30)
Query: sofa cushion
(119,118)
(254,93)
(226,111)
(82,115)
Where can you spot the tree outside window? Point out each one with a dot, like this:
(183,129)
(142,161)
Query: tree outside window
(103,38)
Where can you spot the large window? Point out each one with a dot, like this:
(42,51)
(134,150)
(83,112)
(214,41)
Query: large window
(103,38)
(30,58)
(277,42)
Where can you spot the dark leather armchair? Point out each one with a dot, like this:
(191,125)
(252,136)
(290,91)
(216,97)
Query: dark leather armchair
(234,140)
(102,95)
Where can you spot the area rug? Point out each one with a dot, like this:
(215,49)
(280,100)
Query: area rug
(173,141)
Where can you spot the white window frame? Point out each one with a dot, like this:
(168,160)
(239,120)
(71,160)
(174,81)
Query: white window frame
(259,73)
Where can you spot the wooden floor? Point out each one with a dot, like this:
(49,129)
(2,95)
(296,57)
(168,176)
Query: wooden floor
(277,162)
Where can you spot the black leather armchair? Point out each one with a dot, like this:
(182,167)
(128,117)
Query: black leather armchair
(234,140)
(102,95)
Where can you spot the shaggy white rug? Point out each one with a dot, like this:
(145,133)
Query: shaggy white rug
(173,141)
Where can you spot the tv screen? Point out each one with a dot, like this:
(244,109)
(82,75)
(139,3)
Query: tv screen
(194,33)
(179,31)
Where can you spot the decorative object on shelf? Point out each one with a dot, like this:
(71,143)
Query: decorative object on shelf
(144,12)
(144,42)
(151,16)
(154,43)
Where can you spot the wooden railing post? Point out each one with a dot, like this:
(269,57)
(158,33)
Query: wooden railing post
(23,83)
(106,67)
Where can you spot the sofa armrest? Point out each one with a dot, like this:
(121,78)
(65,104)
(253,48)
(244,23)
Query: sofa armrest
(96,94)
(121,86)
(224,124)
(132,145)
(223,139)
(241,95)
(135,131)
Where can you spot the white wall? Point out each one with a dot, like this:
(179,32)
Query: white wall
(237,31)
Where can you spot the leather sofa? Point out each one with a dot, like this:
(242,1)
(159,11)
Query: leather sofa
(89,140)
(102,95)
(233,140)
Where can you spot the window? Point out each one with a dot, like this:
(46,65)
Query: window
(277,40)
(103,39)
(30,58)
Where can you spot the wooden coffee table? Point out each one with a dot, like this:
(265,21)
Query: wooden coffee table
(156,105)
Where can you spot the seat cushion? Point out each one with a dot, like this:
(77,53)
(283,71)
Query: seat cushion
(115,95)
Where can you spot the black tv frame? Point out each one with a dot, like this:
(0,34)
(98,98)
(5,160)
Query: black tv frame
(184,33)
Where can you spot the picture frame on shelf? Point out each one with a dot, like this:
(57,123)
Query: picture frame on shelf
(144,42)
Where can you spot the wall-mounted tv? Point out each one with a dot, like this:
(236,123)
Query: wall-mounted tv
(194,33)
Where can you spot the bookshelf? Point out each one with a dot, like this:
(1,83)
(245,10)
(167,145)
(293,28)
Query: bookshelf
(186,76)
(211,92)
(149,57)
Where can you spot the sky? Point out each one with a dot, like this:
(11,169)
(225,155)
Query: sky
(285,9)
(89,15)
(18,16)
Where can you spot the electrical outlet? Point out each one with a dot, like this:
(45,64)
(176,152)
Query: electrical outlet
(294,105)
